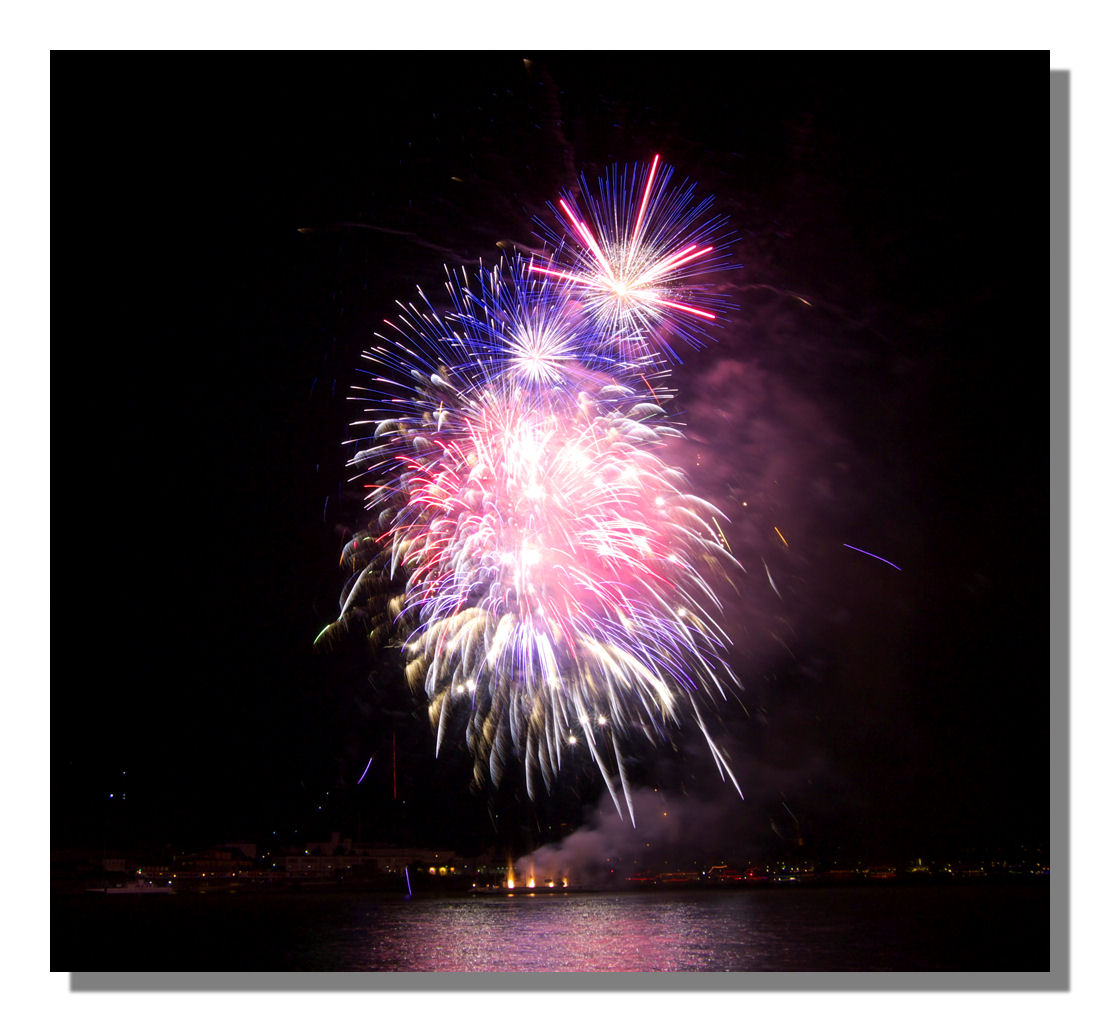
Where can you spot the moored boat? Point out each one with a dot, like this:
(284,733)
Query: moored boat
(134,887)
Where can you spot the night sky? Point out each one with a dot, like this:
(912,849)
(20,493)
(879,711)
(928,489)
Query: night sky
(233,228)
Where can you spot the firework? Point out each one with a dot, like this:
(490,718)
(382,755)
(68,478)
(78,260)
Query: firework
(544,568)
(638,252)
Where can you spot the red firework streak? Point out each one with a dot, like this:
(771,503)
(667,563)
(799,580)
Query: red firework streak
(637,277)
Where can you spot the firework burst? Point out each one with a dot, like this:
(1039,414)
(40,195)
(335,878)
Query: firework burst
(638,252)
(544,567)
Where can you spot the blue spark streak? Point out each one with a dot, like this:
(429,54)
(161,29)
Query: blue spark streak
(875,556)
(365,769)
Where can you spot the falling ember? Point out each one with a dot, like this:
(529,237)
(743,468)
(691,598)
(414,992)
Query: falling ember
(365,769)
(875,556)
(549,575)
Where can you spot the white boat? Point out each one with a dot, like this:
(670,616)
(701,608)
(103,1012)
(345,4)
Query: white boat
(135,887)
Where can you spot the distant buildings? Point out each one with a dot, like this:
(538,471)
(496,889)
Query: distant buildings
(340,861)
(337,860)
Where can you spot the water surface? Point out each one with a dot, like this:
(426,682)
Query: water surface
(965,928)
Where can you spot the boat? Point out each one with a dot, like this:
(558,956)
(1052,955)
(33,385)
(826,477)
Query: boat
(134,887)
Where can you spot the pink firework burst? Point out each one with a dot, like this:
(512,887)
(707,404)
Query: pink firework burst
(638,254)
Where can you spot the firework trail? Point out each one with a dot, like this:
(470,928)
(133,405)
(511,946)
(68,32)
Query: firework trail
(542,566)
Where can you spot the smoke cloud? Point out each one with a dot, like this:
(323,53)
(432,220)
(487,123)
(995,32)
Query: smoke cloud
(668,833)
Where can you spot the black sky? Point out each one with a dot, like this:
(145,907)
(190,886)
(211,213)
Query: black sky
(230,230)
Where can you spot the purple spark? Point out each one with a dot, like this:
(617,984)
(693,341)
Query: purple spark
(875,556)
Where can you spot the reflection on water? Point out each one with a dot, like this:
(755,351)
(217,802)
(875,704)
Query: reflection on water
(525,933)
(808,930)
(733,932)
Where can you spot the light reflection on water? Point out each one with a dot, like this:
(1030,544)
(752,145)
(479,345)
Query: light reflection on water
(771,930)
(733,932)
(584,933)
